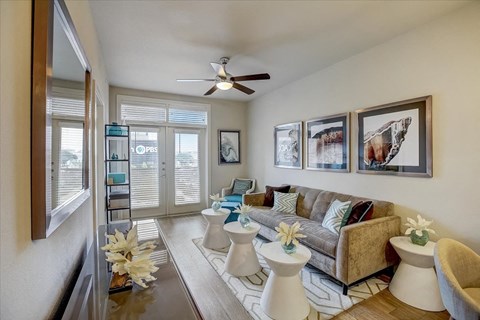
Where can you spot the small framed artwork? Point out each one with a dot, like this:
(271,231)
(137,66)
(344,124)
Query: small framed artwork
(288,145)
(396,138)
(328,144)
(228,146)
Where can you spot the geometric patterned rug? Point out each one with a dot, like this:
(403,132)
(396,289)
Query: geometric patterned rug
(323,293)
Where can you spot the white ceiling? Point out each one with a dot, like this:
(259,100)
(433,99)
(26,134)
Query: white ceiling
(149,44)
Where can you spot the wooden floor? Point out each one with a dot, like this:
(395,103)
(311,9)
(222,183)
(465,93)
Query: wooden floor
(215,300)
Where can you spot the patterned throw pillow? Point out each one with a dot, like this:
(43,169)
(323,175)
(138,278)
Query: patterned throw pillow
(241,186)
(285,202)
(268,202)
(335,214)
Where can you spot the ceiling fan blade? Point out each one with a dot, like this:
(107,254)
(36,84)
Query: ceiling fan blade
(260,76)
(219,69)
(194,80)
(244,89)
(212,90)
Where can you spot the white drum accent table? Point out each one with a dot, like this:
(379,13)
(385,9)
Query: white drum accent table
(242,259)
(284,296)
(215,237)
(415,281)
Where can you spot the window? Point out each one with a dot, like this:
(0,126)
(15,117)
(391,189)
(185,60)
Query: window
(187,171)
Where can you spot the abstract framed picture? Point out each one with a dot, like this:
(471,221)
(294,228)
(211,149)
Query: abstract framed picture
(396,138)
(328,144)
(288,145)
(228,146)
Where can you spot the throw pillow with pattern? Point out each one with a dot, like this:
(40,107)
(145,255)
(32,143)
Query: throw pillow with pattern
(268,202)
(285,202)
(361,211)
(241,186)
(335,214)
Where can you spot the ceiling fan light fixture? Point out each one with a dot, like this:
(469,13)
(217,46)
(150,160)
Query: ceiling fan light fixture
(224,84)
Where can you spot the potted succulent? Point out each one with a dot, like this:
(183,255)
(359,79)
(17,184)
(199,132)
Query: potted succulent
(419,230)
(288,236)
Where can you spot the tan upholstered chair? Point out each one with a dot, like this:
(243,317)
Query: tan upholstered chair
(458,272)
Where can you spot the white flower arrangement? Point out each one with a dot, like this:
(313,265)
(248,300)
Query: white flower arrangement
(243,209)
(289,234)
(418,226)
(216,197)
(130,258)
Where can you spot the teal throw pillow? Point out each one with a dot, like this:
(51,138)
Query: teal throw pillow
(285,202)
(241,186)
(336,214)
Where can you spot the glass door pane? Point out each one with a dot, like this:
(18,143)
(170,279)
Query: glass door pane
(147,168)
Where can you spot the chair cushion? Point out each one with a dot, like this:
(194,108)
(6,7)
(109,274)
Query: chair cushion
(361,211)
(336,213)
(285,202)
(234,198)
(241,186)
(268,202)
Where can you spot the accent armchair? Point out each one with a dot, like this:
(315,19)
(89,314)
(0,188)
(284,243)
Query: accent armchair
(238,187)
(458,273)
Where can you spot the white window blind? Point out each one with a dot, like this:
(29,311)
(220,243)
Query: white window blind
(187,171)
(144,168)
(68,103)
(185,116)
(139,114)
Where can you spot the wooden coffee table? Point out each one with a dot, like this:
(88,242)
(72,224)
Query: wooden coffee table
(242,259)
(215,237)
(284,296)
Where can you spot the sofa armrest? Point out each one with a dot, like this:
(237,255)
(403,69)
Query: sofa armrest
(254,199)
(364,248)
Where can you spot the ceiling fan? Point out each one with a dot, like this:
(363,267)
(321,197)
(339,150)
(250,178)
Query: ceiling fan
(225,80)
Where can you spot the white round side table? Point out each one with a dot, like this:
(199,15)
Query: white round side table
(284,296)
(415,281)
(215,237)
(242,259)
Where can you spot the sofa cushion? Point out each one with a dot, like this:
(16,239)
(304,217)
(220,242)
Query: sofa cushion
(361,211)
(285,202)
(318,238)
(335,217)
(241,186)
(234,198)
(269,194)
(306,199)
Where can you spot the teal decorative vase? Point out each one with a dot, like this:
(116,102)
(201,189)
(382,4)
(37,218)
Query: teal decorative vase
(419,240)
(216,205)
(289,248)
(244,220)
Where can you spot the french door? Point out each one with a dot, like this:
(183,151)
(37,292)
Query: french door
(167,170)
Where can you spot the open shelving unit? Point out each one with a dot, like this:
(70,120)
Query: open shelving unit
(117,172)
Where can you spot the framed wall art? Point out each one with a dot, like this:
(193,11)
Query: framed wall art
(396,138)
(328,144)
(228,146)
(288,145)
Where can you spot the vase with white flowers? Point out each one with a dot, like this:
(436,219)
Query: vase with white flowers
(288,236)
(130,261)
(216,201)
(243,217)
(419,230)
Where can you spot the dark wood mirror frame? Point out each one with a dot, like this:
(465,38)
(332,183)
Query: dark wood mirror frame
(45,220)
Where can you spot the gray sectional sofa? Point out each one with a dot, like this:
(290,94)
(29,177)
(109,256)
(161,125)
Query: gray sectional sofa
(359,251)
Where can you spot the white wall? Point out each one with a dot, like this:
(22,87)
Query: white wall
(441,59)
(33,274)
(224,114)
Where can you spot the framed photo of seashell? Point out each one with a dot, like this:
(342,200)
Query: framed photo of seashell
(396,138)
(288,145)
(228,146)
(327,142)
